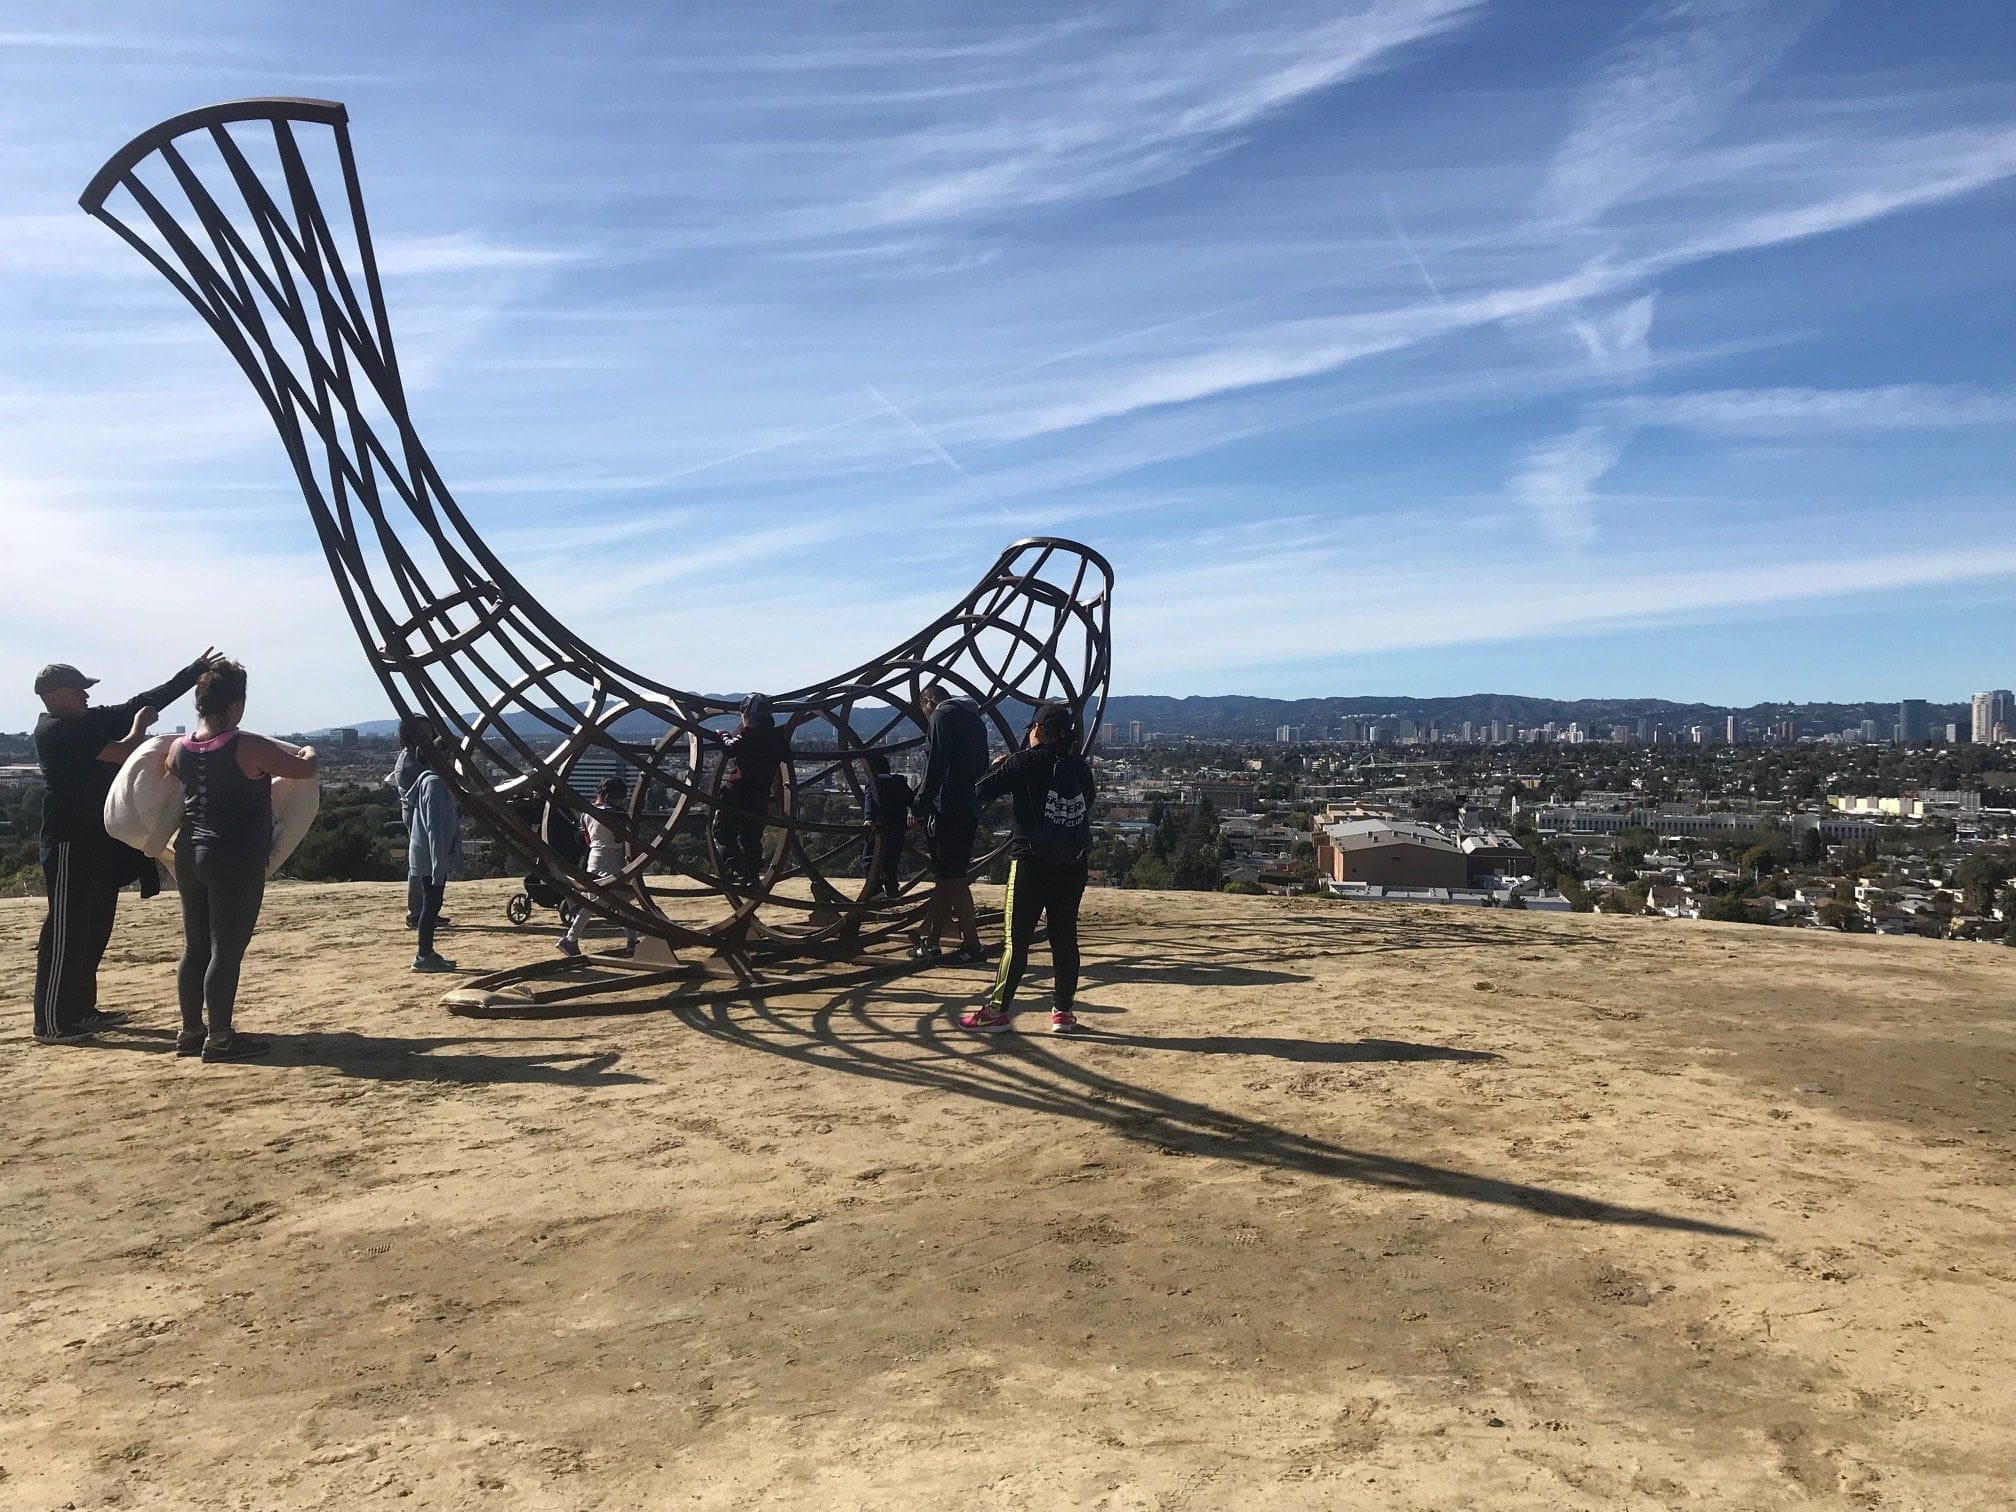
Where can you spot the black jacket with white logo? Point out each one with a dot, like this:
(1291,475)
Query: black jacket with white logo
(1024,777)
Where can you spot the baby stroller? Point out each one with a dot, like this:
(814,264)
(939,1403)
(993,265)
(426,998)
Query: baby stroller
(540,890)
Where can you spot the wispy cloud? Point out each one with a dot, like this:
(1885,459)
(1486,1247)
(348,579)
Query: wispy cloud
(461,252)
(1902,174)
(1667,85)
(1142,112)
(1823,412)
(1215,616)
(1618,340)
(1558,479)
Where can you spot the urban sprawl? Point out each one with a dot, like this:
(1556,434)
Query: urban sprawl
(1904,828)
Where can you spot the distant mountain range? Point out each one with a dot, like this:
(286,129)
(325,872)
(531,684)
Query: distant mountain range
(1238,717)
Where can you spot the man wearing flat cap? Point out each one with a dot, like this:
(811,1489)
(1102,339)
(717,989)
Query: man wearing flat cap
(81,750)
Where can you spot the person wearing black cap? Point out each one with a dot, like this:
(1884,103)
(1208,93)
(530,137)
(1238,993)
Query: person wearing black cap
(81,749)
(752,754)
(1052,789)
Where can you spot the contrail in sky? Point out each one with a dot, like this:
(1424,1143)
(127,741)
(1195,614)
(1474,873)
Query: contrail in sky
(944,456)
(1400,234)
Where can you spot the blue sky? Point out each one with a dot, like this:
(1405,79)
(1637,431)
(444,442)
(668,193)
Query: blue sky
(1425,346)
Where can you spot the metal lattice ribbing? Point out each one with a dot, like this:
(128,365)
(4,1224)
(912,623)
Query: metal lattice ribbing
(253,211)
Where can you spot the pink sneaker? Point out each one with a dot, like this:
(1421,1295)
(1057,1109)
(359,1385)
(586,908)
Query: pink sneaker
(986,1021)
(1063,1021)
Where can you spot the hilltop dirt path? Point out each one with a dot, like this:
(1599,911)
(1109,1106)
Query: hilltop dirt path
(1342,1207)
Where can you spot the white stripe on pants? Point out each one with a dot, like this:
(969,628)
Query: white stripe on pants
(59,939)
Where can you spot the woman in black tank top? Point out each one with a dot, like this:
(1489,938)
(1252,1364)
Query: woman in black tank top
(220,857)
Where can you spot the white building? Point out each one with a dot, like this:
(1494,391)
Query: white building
(1994,716)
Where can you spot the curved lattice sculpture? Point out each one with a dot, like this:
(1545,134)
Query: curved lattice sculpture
(253,211)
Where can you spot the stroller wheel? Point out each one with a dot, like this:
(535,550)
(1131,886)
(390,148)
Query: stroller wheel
(567,912)
(518,908)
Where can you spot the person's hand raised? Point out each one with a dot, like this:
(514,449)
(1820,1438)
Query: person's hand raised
(143,721)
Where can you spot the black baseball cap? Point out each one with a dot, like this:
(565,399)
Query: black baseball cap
(61,675)
(1056,717)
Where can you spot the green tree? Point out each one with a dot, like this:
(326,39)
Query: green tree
(1729,908)
(348,848)
(1757,860)
(1979,878)
(1150,871)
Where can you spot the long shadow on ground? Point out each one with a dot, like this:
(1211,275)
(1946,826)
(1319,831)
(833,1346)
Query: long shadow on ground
(376,1058)
(877,1032)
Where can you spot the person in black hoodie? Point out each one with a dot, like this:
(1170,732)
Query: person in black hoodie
(752,754)
(81,750)
(955,756)
(885,820)
(1052,789)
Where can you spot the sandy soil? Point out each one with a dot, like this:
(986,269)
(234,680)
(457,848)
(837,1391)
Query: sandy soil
(1343,1207)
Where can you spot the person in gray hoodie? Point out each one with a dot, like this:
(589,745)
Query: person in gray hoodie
(405,772)
(433,845)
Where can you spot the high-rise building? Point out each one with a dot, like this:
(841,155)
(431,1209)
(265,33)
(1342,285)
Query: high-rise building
(1867,729)
(1134,732)
(1994,716)
(1729,731)
(1913,723)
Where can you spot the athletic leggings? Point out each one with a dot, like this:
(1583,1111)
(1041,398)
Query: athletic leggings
(222,890)
(1036,890)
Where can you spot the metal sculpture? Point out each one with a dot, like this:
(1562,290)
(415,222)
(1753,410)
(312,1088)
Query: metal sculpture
(253,211)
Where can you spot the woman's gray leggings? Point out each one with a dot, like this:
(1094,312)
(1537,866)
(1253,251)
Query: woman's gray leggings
(221,894)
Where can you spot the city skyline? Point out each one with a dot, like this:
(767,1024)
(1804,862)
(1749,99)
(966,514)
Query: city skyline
(1423,344)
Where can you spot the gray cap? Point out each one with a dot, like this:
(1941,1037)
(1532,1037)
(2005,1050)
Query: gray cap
(756,708)
(61,675)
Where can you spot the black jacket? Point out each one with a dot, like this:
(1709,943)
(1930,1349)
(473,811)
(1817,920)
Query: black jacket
(73,808)
(955,754)
(753,755)
(1024,777)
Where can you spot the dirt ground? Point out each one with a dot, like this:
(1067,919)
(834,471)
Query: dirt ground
(1340,1207)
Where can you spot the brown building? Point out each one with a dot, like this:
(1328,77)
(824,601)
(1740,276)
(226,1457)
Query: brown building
(1387,853)
(1226,797)
(1496,856)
